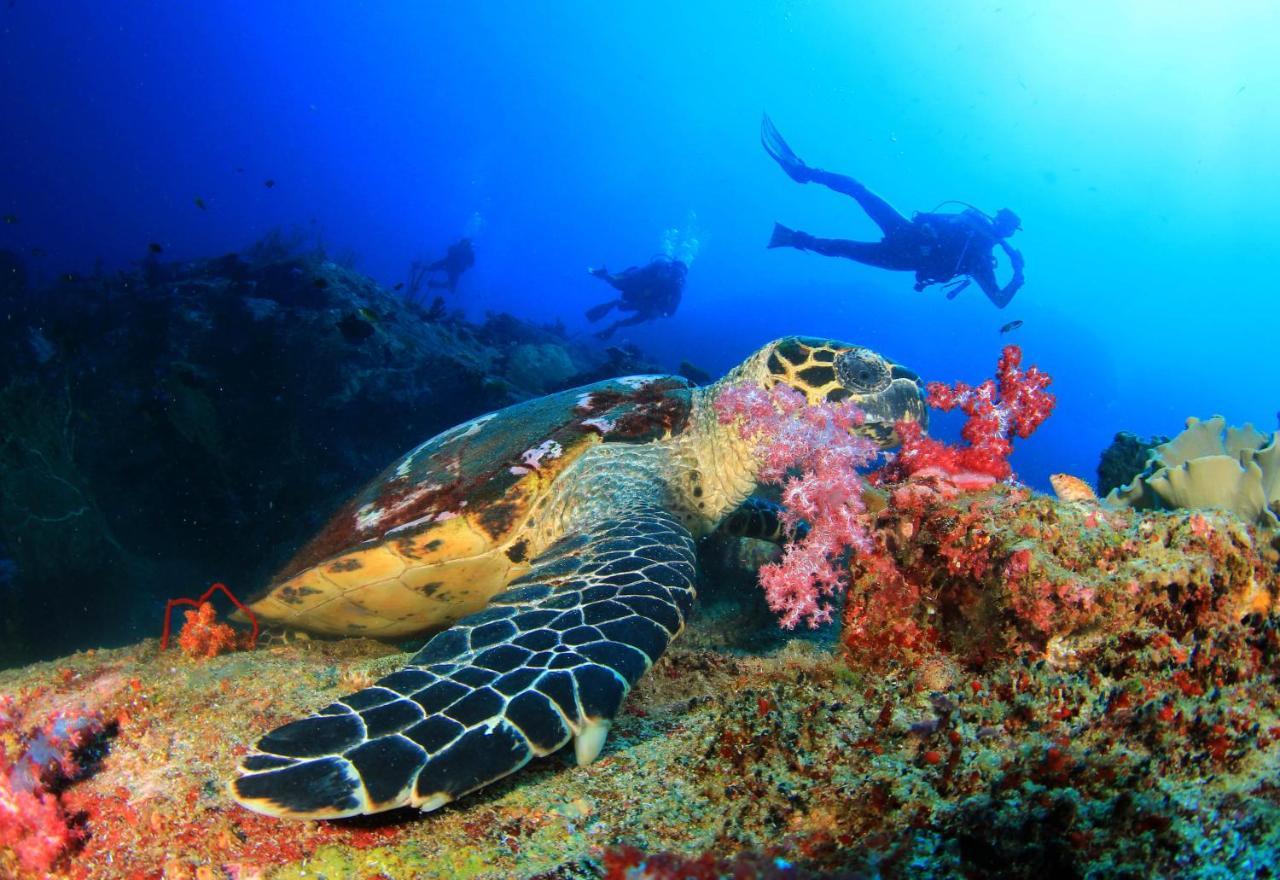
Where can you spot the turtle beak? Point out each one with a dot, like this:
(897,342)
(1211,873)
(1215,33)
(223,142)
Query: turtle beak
(902,400)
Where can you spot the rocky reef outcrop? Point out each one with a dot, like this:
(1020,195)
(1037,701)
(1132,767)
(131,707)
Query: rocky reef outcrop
(183,423)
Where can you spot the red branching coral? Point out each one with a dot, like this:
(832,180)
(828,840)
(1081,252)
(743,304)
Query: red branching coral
(203,636)
(789,434)
(33,764)
(1013,404)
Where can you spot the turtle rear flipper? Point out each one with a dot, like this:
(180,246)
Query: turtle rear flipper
(549,660)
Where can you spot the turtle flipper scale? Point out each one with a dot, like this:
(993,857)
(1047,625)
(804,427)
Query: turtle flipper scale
(548,661)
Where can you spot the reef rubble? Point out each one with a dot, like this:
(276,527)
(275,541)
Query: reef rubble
(1079,693)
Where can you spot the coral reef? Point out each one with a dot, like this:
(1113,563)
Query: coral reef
(1083,693)
(811,453)
(190,421)
(203,636)
(1124,459)
(37,762)
(1004,574)
(1210,465)
(1013,404)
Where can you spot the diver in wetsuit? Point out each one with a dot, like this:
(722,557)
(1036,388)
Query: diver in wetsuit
(459,258)
(937,247)
(652,291)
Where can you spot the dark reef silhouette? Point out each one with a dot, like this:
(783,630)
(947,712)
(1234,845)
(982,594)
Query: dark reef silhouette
(183,423)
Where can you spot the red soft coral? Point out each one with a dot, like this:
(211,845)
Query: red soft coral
(203,636)
(788,434)
(33,822)
(1013,404)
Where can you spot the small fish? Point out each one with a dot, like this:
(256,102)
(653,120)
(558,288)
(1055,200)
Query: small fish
(155,248)
(268,183)
(320,283)
(1012,325)
(399,286)
(38,252)
(239,171)
(368,314)
(11,219)
(1069,488)
(69,277)
(199,203)
(1239,90)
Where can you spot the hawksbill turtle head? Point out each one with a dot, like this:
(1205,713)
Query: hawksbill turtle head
(830,371)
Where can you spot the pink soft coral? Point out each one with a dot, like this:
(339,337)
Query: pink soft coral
(33,821)
(789,435)
(1013,404)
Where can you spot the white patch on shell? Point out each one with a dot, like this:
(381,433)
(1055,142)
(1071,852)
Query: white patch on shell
(424,520)
(453,435)
(368,516)
(532,459)
(637,382)
(601,424)
(402,470)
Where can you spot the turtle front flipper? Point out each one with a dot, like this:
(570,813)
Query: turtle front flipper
(761,518)
(549,660)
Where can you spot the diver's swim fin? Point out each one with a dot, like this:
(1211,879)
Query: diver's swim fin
(782,236)
(777,148)
(595,313)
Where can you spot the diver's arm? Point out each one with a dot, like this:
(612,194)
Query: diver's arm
(1015,258)
(985,276)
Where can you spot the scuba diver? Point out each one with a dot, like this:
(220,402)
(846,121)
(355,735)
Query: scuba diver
(459,258)
(938,247)
(652,291)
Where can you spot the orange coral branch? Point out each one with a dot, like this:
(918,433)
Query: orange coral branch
(196,603)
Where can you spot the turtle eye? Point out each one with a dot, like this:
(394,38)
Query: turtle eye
(861,371)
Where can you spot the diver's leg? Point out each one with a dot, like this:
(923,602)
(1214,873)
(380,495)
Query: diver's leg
(595,313)
(881,212)
(882,254)
(637,318)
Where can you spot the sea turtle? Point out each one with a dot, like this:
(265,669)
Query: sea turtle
(555,540)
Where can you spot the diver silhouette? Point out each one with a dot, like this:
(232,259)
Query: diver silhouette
(459,258)
(938,247)
(652,291)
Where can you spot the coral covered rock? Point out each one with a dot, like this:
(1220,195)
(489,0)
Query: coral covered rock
(1005,573)
(1210,465)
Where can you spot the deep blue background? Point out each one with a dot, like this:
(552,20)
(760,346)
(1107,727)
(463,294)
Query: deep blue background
(1138,141)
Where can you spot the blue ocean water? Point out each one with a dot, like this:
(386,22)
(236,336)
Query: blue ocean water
(1136,141)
